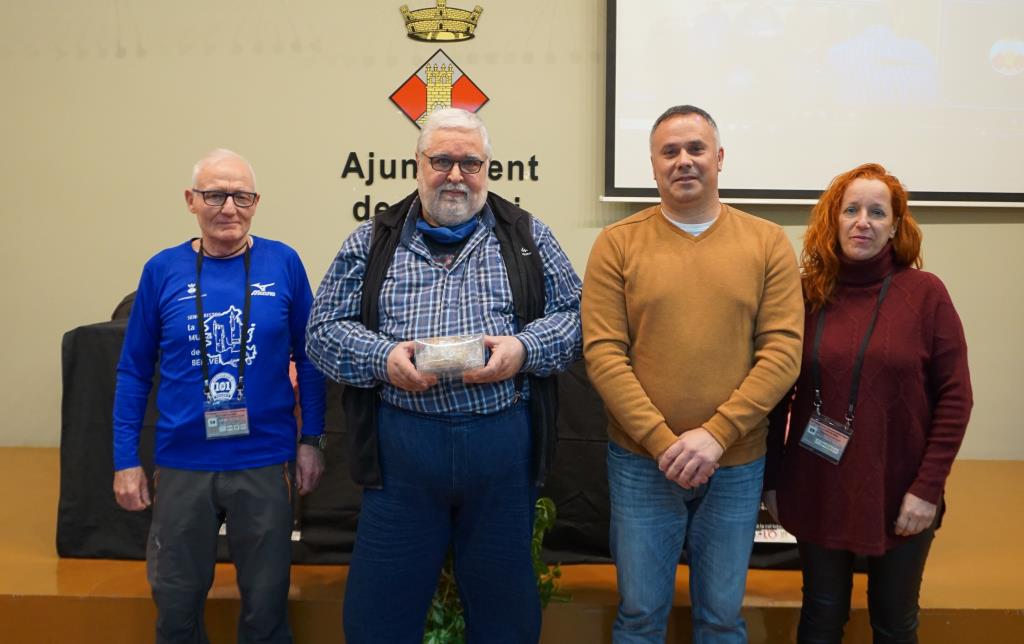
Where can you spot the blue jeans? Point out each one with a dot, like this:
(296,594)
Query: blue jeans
(652,519)
(461,481)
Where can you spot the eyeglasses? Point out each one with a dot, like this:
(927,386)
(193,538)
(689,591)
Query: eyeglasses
(218,197)
(445,164)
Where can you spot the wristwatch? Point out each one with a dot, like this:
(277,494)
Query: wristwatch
(318,441)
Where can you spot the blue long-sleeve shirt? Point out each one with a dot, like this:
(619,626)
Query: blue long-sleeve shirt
(162,329)
(421,298)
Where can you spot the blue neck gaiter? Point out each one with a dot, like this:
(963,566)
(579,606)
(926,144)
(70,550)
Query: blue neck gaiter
(445,234)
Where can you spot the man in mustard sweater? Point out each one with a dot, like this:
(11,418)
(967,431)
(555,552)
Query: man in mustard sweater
(692,323)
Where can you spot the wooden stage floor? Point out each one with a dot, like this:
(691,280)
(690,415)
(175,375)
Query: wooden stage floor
(973,588)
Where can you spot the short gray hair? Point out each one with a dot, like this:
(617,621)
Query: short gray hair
(683,110)
(219,154)
(452,118)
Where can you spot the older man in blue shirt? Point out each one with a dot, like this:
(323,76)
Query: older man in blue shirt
(447,462)
(220,316)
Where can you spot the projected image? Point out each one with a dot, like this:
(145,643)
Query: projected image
(1007,57)
(878,66)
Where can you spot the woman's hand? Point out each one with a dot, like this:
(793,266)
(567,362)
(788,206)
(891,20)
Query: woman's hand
(916,514)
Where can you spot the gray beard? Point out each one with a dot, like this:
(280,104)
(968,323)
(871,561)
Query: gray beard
(451,213)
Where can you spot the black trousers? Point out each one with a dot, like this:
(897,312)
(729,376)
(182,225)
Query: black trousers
(188,509)
(894,584)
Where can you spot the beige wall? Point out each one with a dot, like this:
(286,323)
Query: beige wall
(106,106)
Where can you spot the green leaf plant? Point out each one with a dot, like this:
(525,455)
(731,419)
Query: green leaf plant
(445,621)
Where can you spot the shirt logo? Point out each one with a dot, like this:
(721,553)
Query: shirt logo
(261,290)
(190,292)
(525,252)
(224,338)
(223,387)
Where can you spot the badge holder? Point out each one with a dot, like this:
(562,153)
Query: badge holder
(226,418)
(826,437)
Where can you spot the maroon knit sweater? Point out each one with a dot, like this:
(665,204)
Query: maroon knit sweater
(912,409)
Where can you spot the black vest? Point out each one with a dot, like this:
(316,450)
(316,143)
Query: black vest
(526,280)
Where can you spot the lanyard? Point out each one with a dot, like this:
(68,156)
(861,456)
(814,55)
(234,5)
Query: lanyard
(202,326)
(855,384)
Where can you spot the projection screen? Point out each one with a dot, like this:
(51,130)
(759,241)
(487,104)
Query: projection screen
(805,89)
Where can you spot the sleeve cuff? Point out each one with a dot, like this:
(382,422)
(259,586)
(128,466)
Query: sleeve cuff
(926,492)
(379,359)
(722,430)
(315,428)
(659,440)
(126,462)
(531,344)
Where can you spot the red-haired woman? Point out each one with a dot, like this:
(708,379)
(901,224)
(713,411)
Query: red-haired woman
(877,414)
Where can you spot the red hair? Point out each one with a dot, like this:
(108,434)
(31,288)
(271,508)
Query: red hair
(819,260)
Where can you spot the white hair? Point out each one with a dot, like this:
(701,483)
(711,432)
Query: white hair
(452,118)
(217,155)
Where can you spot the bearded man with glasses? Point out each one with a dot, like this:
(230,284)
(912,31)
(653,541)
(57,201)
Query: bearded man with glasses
(451,460)
(223,315)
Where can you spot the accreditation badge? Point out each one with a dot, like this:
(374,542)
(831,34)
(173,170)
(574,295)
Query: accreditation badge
(826,437)
(224,411)
(226,418)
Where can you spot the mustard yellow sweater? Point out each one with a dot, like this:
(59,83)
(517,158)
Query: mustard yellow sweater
(681,332)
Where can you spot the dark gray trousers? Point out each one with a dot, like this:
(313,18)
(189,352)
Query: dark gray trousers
(188,509)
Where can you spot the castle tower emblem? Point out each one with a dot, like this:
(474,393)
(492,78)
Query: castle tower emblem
(437,84)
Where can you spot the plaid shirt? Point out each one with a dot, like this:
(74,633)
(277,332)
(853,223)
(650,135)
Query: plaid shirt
(420,298)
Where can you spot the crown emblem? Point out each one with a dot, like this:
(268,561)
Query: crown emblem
(440,22)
